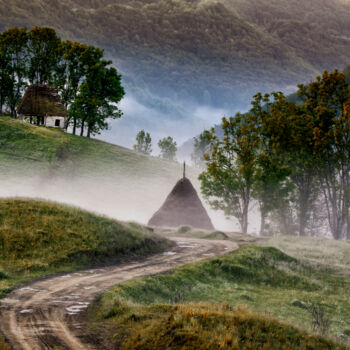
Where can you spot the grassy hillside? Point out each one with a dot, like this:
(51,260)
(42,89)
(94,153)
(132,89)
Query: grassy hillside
(98,176)
(213,52)
(208,297)
(39,238)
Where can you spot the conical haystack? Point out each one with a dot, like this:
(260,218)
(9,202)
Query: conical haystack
(182,207)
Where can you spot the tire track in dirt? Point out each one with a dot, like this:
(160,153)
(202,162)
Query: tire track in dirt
(49,314)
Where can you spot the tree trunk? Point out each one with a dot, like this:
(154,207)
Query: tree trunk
(31,120)
(88,131)
(244,218)
(82,128)
(262,223)
(38,121)
(13,112)
(303,220)
(74,125)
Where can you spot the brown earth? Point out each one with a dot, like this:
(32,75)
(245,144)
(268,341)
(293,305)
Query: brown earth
(51,313)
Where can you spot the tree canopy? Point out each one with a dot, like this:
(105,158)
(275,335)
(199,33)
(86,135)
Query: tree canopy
(168,148)
(89,86)
(291,157)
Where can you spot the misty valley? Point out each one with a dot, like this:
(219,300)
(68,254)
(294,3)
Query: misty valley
(174,174)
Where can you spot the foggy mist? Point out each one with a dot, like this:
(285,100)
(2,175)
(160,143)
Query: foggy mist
(120,198)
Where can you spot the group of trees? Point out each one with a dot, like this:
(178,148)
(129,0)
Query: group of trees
(89,86)
(290,157)
(167,145)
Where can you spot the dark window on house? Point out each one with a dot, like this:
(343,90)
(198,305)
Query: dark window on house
(57,122)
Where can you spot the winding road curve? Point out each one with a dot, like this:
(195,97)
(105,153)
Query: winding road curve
(47,314)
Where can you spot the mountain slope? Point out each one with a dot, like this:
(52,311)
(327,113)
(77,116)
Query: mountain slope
(213,52)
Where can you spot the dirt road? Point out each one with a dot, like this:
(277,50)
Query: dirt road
(47,314)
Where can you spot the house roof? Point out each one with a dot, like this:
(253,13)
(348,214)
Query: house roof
(41,100)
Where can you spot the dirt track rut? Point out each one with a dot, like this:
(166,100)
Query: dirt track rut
(46,314)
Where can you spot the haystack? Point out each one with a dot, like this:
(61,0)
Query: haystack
(182,207)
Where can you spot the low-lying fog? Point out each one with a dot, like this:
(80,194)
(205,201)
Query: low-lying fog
(125,199)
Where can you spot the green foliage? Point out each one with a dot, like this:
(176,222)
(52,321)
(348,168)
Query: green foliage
(168,148)
(15,61)
(327,102)
(89,86)
(143,142)
(43,44)
(285,153)
(231,168)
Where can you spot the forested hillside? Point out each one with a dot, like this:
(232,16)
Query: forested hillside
(212,52)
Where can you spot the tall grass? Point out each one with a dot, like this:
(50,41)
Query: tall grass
(262,279)
(208,326)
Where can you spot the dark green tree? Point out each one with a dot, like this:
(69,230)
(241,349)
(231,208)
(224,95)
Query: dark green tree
(5,78)
(14,43)
(327,101)
(45,56)
(70,72)
(98,97)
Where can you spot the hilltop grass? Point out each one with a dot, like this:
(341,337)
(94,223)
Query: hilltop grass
(37,149)
(39,238)
(262,279)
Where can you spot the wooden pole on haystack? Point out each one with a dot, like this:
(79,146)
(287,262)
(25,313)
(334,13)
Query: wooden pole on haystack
(184,170)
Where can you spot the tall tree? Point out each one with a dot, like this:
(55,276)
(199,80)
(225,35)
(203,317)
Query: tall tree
(69,74)
(326,100)
(15,43)
(286,134)
(98,97)
(5,78)
(44,47)
(231,168)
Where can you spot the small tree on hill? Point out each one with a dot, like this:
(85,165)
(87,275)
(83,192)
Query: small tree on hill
(143,142)
(168,148)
